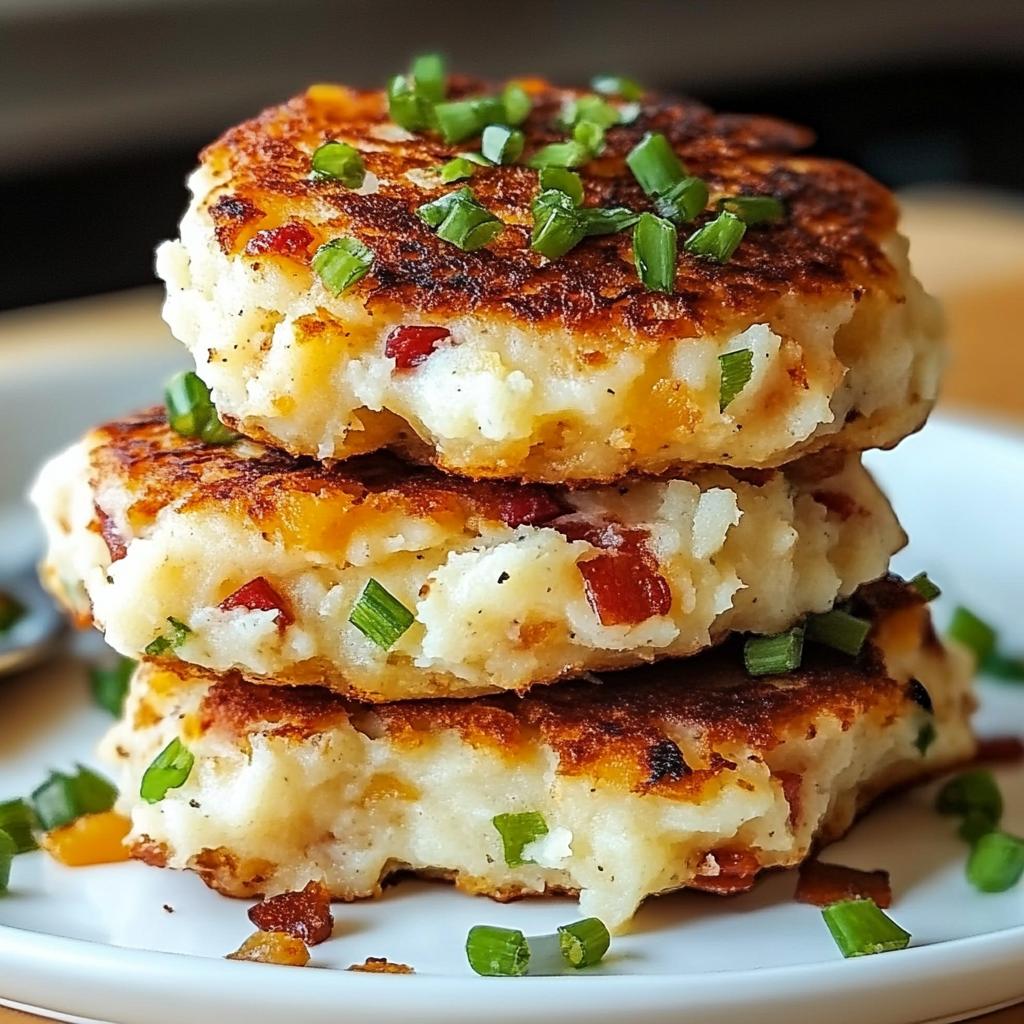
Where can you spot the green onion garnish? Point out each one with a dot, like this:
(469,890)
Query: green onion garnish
(617,85)
(924,586)
(341,263)
(7,852)
(63,798)
(589,108)
(718,238)
(972,794)
(338,161)
(560,154)
(590,136)
(1004,667)
(973,632)
(860,928)
(408,107)
(458,169)
(11,611)
(559,179)
(190,410)
(926,736)
(380,616)
(517,104)
(170,769)
(428,73)
(736,369)
(110,685)
(774,655)
(996,862)
(517,831)
(683,201)
(557,224)
(975,825)
(169,641)
(460,119)
(654,252)
(501,145)
(655,165)
(18,820)
(839,629)
(585,942)
(607,221)
(754,209)
(460,219)
(497,952)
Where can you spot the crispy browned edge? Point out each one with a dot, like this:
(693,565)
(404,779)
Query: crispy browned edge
(828,244)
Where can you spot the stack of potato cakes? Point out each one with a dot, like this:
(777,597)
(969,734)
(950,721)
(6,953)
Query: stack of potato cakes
(512,528)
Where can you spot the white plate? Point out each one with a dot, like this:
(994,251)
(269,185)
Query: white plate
(98,942)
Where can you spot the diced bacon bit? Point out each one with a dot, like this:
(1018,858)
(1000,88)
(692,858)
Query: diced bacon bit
(112,538)
(622,584)
(1008,749)
(306,915)
(287,240)
(822,884)
(792,785)
(725,872)
(381,965)
(409,345)
(272,948)
(529,506)
(259,595)
(838,503)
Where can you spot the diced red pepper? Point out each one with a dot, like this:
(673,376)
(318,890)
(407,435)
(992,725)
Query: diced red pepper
(1007,749)
(259,595)
(529,506)
(286,240)
(822,884)
(108,531)
(409,345)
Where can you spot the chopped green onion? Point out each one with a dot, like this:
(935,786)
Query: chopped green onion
(110,685)
(654,252)
(926,736)
(501,145)
(380,616)
(974,825)
(460,219)
(617,85)
(590,136)
(517,104)
(585,942)
(754,209)
(996,862)
(428,74)
(11,611)
(974,793)
(338,161)
(973,632)
(517,831)
(557,224)
(190,410)
(561,180)
(607,221)
(629,112)
(839,629)
(655,165)
(924,586)
(63,798)
(1004,667)
(460,119)
(683,201)
(458,169)
(589,108)
(718,238)
(497,952)
(7,852)
(169,641)
(433,213)
(170,769)
(736,369)
(341,263)
(408,107)
(18,820)
(560,154)
(860,928)
(476,158)
(774,655)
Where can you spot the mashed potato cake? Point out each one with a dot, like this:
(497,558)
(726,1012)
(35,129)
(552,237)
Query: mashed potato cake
(245,558)
(687,773)
(554,371)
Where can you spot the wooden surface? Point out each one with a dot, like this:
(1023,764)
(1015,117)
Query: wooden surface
(969,250)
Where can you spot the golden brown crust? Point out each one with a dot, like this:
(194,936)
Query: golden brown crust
(620,730)
(829,243)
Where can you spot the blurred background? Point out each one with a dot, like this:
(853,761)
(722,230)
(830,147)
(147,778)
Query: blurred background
(104,104)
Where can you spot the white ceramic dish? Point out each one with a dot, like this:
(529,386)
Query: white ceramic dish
(99,942)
